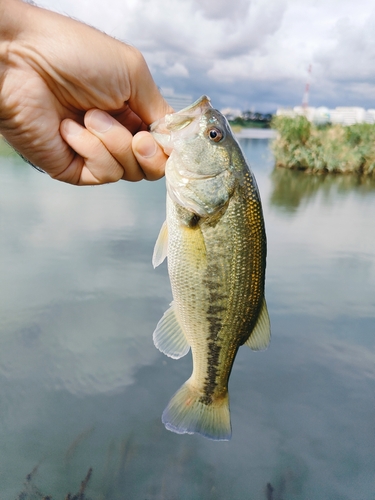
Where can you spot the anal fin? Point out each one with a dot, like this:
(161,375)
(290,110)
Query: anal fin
(261,335)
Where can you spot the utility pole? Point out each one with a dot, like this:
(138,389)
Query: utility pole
(305,99)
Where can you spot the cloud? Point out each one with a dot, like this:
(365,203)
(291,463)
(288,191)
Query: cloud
(218,9)
(178,70)
(352,43)
(256,50)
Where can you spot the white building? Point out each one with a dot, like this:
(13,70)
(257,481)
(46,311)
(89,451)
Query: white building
(344,115)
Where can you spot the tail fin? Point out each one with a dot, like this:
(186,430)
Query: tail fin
(187,414)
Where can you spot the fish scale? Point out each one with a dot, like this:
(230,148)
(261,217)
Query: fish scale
(215,241)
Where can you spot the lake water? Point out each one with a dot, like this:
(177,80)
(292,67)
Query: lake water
(82,386)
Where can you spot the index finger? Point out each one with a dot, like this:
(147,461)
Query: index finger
(145,98)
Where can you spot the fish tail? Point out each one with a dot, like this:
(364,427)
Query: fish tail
(187,413)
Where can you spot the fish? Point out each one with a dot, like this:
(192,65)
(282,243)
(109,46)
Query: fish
(214,240)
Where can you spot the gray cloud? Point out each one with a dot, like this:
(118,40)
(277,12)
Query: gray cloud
(218,9)
(254,52)
(348,58)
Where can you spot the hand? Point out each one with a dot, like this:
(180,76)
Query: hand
(57,76)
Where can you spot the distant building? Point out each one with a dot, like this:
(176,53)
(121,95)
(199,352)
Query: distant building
(345,115)
(177,101)
(348,116)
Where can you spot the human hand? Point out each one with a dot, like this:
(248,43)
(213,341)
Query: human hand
(57,76)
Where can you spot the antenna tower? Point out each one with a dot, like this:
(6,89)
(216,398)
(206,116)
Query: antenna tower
(305,99)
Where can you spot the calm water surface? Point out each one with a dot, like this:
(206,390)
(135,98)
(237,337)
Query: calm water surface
(82,386)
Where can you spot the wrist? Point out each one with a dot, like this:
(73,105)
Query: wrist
(13,21)
(12,13)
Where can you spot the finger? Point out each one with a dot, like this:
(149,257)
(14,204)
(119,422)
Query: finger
(117,139)
(93,163)
(145,99)
(150,156)
(129,120)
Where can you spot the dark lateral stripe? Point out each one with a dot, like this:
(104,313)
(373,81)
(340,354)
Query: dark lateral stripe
(213,310)
(213,349)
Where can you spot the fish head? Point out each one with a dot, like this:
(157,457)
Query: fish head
(200,172)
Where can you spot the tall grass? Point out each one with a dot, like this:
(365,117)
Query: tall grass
(330,148)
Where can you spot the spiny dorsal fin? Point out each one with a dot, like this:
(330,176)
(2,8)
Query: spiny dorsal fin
(261,335)
(161,246)
(169,337)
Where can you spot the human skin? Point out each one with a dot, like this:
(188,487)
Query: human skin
(74,101)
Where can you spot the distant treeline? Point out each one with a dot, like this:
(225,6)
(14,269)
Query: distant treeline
(329,148)
(251,119)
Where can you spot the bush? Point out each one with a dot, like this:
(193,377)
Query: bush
(293,130)
(334,148)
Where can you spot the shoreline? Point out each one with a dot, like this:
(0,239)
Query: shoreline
(256,133)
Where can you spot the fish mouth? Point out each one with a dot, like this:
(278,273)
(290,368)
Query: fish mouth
(182,118)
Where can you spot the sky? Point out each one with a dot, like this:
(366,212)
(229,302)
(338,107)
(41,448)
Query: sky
(247,54)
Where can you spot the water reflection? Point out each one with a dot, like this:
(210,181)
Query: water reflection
(83,388)
(290,188)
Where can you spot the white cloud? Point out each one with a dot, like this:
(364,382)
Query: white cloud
(223,49)
(177,69)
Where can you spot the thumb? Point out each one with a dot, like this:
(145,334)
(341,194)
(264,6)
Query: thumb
(149,155)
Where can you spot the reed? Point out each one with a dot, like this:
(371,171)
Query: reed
(321,149)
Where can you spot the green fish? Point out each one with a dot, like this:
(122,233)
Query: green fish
(215,241)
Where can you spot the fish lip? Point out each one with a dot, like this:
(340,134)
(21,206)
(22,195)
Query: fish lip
(166,124)
(162,129)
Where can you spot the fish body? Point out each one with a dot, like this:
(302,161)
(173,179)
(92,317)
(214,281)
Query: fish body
(215,241)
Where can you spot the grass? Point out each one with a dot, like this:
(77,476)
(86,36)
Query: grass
(330,148)
(32,492)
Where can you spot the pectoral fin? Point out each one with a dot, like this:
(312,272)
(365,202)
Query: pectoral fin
(161,246)
(169,337)
(261,334)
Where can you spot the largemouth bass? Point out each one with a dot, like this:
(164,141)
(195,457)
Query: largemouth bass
(215,241)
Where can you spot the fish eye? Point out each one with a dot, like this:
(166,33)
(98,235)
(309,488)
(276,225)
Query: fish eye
(215,134)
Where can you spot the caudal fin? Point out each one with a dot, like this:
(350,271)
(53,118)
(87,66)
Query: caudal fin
(187,414)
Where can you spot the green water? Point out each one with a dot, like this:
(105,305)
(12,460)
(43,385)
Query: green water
(82,386)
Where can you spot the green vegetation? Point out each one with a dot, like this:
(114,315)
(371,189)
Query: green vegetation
(240,122)
(329,148)
(251,120)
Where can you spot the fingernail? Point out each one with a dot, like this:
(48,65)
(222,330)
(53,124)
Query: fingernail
(146,146)
(72,128)
(100,121)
